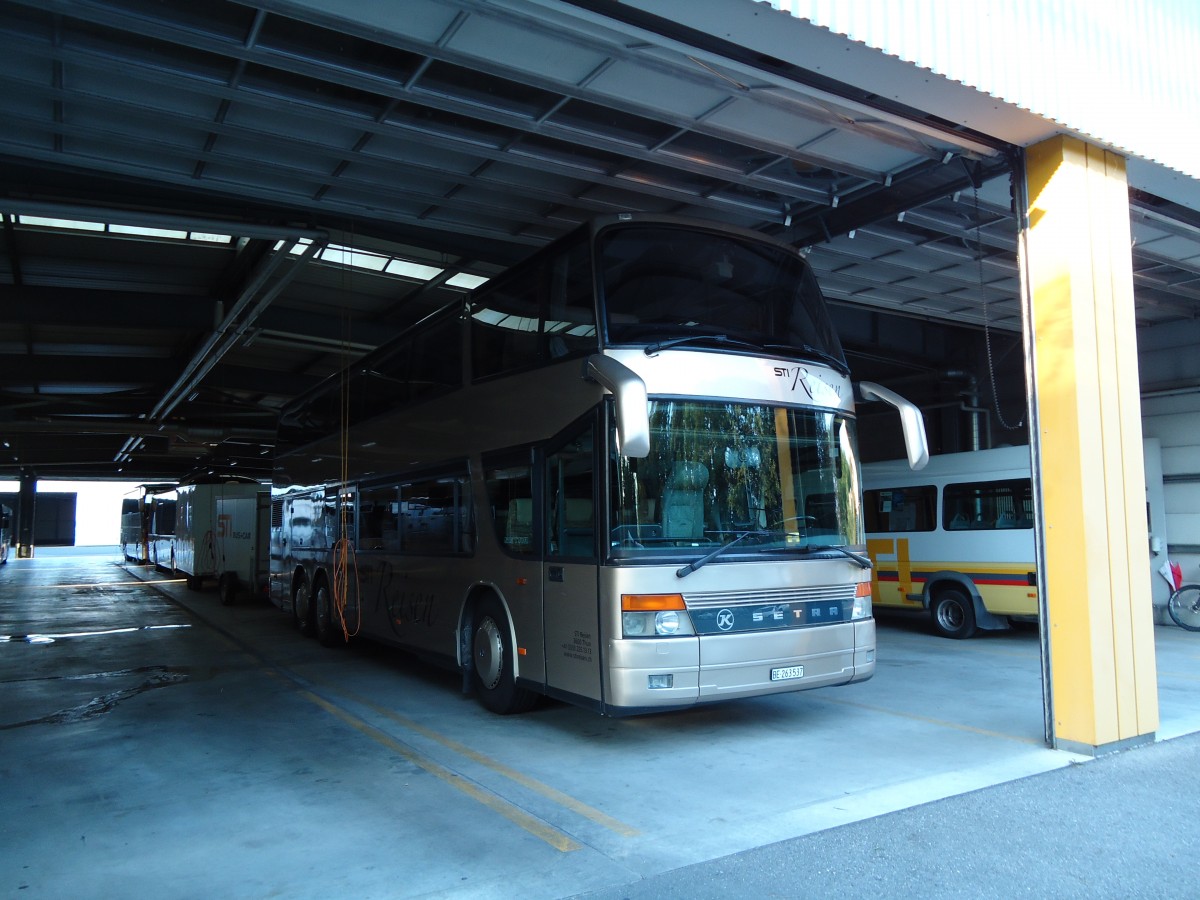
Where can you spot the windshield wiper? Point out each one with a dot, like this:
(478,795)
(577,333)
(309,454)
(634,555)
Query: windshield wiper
(863,562)
(815,353)
(694,565)
(651,349)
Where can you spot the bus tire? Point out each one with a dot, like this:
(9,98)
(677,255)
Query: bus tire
(324,623)
(492,662)
(953,613)
(302,610)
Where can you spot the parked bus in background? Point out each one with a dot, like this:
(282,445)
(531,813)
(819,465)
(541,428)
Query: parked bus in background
(161,537)
(137,521)
(623,474)
(6,524)
(955,538)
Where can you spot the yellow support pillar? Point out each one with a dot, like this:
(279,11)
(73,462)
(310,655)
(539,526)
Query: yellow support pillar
(1097,617)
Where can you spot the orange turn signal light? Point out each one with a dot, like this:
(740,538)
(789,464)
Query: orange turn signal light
(651,602)
(863,589)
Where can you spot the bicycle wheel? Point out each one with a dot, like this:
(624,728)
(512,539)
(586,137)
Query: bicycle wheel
(1184,607)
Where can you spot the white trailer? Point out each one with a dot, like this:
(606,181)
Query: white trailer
(221,534)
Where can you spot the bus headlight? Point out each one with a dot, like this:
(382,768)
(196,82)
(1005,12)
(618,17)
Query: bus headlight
(666,622)
(862,601)
(654,615)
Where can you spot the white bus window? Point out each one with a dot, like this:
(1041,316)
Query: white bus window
(988,505)
(901,509)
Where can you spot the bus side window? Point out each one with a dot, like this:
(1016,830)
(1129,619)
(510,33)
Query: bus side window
(436,515)
(510,496)
(570,493)
(903,509)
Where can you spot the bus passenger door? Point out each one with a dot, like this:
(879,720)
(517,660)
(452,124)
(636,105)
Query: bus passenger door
(570,603)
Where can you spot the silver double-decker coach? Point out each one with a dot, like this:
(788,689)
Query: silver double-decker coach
(623,474)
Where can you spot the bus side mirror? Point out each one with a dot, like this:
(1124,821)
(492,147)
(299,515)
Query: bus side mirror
(916,445)
(629,394)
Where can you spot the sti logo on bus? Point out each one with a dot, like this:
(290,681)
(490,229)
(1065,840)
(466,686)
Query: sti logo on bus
(800,378)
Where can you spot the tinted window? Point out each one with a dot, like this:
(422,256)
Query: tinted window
(541,312)
(510,496)
(425,516)
(571,519)
(661,282)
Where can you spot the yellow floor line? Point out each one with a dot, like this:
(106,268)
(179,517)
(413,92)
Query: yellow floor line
(553,794)
(533,825)
(931,721)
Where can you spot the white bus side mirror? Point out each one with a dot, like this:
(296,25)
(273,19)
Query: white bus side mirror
(916,445)
(629,393)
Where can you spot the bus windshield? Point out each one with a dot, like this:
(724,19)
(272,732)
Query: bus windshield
(774,479)
(663,283)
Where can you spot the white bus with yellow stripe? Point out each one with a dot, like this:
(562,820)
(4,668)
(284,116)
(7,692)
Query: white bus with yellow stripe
(955,538)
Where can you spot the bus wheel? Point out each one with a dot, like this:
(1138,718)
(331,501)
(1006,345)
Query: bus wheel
(953,614)
(302,609)
(492,655)
(326,628)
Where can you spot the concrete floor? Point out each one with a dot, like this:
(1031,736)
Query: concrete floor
(155,743)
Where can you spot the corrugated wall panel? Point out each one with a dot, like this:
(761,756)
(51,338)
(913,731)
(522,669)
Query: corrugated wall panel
(1124,72)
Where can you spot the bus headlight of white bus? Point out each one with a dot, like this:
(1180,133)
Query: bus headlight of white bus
(654,615)
(862,601)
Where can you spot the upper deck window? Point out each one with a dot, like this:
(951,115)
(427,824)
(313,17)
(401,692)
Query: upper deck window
(542,312)
(662,283)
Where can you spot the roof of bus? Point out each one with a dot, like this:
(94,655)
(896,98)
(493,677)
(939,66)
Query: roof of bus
(999,462)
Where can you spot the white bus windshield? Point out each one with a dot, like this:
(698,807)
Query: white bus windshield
(774,479)
(663,283)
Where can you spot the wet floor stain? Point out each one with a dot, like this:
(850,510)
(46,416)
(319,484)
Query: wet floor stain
(156,677)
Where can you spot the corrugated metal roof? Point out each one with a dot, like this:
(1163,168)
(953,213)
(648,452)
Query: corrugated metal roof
(1123,72)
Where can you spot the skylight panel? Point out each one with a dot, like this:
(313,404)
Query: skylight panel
(466,280)
(407,269)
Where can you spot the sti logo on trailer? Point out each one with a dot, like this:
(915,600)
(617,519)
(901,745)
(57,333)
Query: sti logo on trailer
(225,528)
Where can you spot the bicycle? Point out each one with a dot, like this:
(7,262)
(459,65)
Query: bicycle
(1184,606)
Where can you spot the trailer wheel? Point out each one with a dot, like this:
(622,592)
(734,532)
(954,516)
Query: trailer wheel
(953,613)
(227,587)
(328,632)
(302,609)
(492,658)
